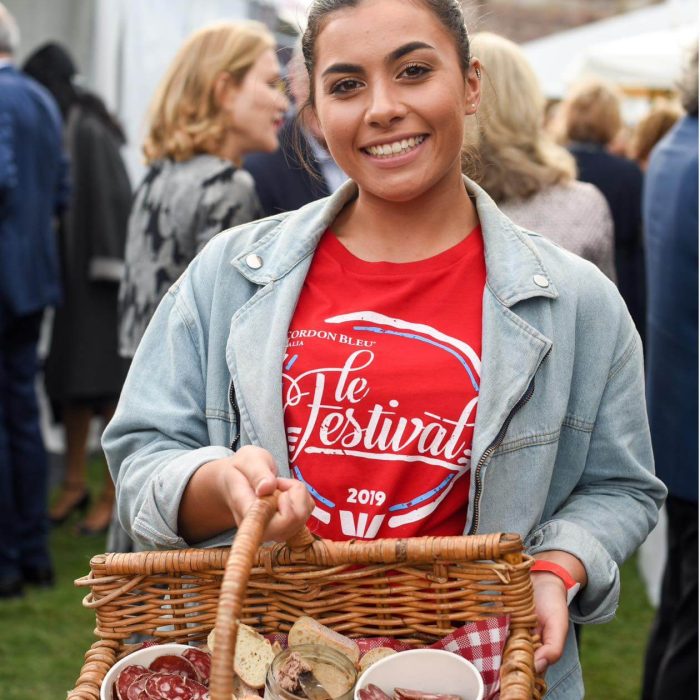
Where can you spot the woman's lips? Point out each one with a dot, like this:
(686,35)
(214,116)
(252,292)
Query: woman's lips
(396,158)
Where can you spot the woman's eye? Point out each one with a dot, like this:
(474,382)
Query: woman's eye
(415,70)
(345,86)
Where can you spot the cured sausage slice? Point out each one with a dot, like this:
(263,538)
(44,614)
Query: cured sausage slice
(201,661)
(199,691)
(174,664)
(136,689)
(373,692)
(167,686)
(125,678)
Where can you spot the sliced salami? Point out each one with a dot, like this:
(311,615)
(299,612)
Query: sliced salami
(168,686)
(125,678)
(199,691)
(178,665)
(201,661)
(136,689)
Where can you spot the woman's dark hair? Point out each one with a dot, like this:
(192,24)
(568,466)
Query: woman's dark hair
(52,66)
(449,12)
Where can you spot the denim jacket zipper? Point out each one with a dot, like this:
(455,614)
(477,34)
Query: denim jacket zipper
(478,488)
(236,414)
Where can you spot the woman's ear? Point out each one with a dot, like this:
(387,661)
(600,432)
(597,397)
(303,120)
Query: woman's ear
(225,91)
(472,84)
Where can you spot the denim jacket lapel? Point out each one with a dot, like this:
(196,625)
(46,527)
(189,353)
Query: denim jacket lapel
(257,341)
(255,354)
(512,348)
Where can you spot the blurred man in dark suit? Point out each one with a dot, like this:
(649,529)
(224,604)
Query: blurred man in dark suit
(32,190)
(281,180)
(671,237)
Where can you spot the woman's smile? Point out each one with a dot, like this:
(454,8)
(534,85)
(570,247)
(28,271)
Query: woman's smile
(394,152)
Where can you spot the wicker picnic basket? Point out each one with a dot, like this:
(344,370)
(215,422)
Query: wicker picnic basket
(415,590)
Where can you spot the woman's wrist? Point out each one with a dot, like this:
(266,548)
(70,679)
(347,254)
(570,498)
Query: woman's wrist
(556,573)
(566,568)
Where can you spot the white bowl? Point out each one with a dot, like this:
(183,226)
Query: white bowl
(141,657)
(426,670)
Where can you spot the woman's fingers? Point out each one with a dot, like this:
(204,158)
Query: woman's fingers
(254,474)
(259,468)
(294,507)
(553,639)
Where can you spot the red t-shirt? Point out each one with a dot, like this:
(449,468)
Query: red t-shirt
(380,387)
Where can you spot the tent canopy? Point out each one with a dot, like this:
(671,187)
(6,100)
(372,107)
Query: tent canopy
(644,48)
(652,60)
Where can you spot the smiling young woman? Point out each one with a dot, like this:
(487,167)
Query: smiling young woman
(399,359)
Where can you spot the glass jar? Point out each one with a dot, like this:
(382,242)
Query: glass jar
(333,670)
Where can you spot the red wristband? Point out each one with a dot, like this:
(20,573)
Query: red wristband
(572,586)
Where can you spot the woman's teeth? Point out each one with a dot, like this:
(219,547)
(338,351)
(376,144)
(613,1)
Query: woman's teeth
(395,148)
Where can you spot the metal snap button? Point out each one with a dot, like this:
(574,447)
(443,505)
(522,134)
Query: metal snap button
(254,262)
(540,281)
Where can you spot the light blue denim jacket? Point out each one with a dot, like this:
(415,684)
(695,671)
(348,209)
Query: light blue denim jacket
(561,445)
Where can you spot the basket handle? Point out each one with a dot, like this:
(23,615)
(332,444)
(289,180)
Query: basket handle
(233,589)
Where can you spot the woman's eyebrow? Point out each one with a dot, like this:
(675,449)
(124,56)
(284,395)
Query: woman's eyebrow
(395,55)
(342,68)
(410,47)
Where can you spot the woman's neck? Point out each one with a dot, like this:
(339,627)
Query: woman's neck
(375,229)
(230,149)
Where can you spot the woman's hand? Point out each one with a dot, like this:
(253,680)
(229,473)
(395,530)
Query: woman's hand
(552,618)
(219,494)
(551,606)
(252,473)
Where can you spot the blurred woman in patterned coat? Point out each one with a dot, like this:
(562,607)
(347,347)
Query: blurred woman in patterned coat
(219,100)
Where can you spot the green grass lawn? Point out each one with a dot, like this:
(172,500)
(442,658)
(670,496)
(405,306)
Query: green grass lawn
(45,634)
(612,655)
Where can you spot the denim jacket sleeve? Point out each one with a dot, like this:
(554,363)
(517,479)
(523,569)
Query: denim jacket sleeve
(159,437)
(615,503)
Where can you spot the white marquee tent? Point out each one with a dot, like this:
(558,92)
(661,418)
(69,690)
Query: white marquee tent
(640,49)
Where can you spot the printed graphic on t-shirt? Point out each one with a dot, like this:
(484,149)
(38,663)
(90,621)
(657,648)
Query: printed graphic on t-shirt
(379,413)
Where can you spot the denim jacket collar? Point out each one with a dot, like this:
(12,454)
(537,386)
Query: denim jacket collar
(512,261)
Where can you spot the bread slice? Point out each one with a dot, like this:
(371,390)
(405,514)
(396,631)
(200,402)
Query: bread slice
(373,655)
(253,656)
(251,660)
(306,630)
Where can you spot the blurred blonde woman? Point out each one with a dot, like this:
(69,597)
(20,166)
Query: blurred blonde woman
(219,100)
(533,179)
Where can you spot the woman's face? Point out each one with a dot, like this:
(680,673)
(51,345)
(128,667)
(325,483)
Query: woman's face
(390,96)
(256,107)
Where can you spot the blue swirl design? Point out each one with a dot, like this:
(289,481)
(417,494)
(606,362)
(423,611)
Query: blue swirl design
(429,341)
(312,490)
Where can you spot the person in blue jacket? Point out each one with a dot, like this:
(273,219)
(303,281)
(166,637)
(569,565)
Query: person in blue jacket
(671,237)
(33,189)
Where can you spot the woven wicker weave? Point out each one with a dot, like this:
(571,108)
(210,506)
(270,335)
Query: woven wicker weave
(415,590)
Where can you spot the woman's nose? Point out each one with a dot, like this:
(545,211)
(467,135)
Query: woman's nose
(385,106)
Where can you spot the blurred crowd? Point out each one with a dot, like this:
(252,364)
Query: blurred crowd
(230,139)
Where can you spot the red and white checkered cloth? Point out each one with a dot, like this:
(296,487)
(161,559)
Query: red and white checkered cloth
(480,642)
